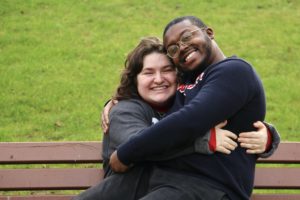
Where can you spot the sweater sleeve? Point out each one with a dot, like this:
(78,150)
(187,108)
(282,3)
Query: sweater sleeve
(225,91)
(201,145)
(127,118)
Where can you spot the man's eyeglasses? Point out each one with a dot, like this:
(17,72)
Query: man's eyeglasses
(174,49)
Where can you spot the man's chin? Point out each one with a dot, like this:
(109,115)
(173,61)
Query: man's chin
(188,68)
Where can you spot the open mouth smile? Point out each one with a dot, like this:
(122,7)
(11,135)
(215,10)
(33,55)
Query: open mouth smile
(187,57)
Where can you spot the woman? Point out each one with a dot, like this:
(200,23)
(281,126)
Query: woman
(145,93)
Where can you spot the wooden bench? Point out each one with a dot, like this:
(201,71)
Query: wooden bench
(68,177)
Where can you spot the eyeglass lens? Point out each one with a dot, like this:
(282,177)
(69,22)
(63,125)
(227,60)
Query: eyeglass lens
(186,37)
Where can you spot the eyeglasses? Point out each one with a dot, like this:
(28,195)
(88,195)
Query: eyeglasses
(174,49)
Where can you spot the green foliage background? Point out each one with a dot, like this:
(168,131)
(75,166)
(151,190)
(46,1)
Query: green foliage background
(60,60)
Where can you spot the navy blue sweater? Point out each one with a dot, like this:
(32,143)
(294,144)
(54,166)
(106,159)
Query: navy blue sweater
(230,90)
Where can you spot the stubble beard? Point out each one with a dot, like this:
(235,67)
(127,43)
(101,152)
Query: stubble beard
(208,50)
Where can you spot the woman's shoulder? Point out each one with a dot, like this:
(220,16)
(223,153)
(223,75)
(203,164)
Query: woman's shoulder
(133,105)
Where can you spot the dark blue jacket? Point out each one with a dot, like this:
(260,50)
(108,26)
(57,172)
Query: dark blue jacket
(230,90)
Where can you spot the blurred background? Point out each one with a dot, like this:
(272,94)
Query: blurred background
(60,61)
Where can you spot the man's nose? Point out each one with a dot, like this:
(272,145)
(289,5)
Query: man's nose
(182,45)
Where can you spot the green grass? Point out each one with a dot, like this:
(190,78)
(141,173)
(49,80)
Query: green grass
(61,60)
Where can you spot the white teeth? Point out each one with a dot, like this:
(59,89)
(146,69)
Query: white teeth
(159,88)
(189,56)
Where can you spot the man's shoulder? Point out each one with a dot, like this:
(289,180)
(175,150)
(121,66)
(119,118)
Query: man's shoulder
(233,65)
(235,61)
(233,71)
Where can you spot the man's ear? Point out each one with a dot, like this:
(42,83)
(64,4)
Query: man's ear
(210,33)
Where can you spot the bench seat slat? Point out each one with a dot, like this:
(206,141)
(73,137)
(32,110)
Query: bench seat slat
(277,178)
(68,197)
(42,197)
(50,152)
(275,197)
(49,179)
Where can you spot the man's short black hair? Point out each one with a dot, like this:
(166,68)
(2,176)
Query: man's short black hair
(194,20)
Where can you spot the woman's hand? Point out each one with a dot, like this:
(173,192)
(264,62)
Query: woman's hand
(255,141)
(105,115)
(225,140)
(116,165)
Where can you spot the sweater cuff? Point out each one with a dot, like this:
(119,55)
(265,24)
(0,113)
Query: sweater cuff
(275,140)
(212,140)
(123,157)
(269,141)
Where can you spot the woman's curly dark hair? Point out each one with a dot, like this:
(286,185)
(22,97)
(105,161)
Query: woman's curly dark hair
(127,88)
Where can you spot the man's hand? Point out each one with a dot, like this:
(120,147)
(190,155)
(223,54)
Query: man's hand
(255,141)
(105,115)
(225,140)
(116,165)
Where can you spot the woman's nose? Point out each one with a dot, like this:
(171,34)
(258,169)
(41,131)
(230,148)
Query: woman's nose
(158,78)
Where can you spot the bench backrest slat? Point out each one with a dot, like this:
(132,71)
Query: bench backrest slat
(50,152)
(91,152)
(287,152)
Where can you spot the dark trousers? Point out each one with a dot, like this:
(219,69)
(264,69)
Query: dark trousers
(146,183)
(131,185)
(169,185)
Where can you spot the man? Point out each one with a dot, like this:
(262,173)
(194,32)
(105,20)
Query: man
(215,88)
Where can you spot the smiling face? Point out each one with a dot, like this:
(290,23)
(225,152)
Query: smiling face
(157,82)
(197,53)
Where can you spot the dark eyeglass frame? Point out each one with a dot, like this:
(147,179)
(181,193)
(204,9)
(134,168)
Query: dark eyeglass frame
(182,42)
